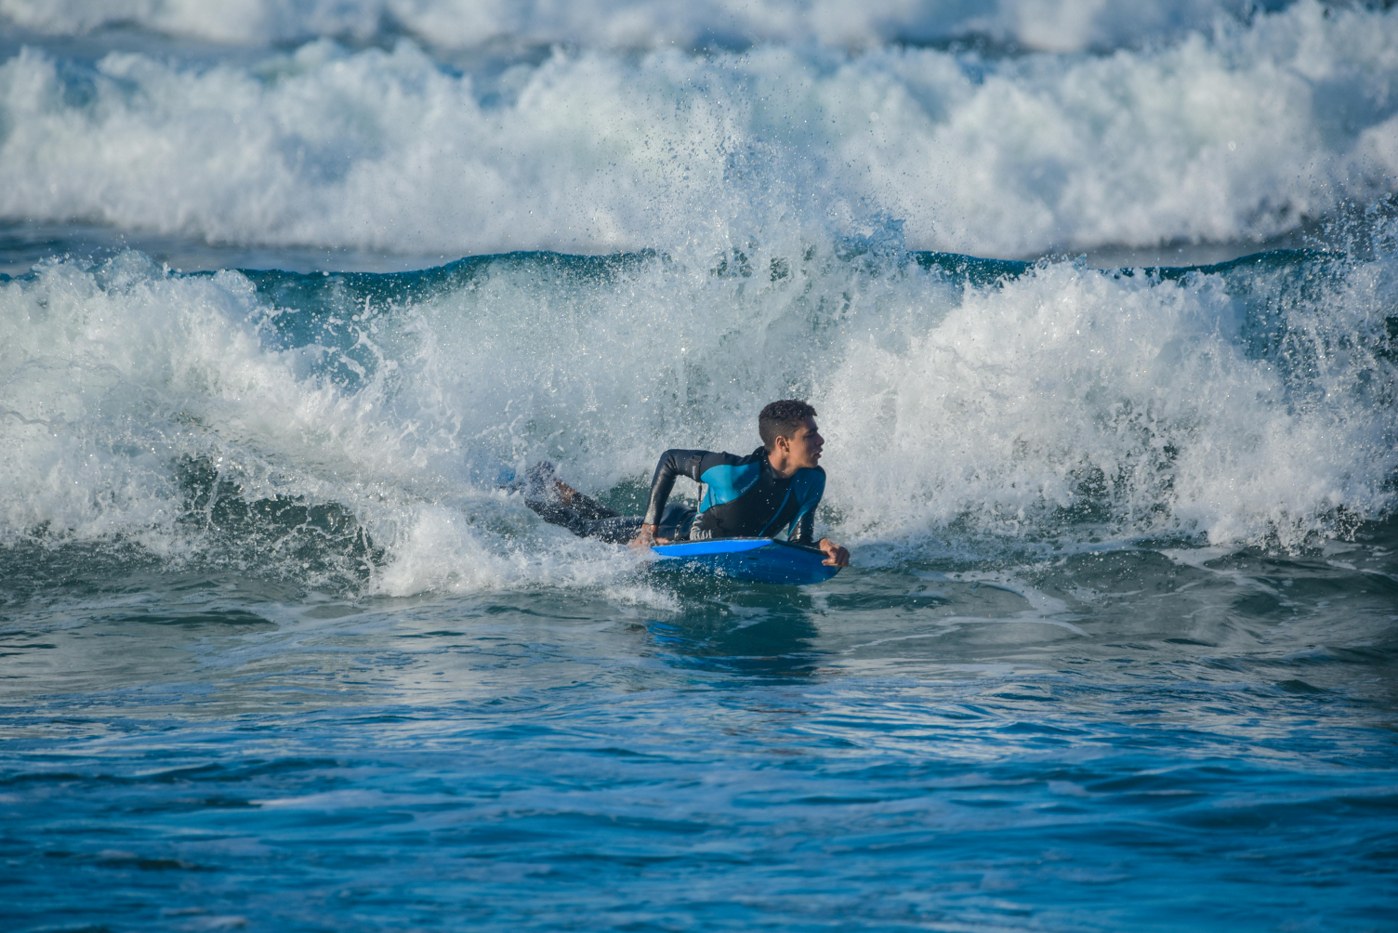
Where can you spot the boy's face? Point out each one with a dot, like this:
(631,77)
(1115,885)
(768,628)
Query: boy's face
(804,445)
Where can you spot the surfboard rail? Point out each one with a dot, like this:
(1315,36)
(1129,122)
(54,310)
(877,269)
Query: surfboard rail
(753,560)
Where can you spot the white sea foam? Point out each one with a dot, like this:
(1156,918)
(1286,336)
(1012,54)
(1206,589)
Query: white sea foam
(1074,391)
(1065,401)
(1234,134)
(1057,25)
(119,376)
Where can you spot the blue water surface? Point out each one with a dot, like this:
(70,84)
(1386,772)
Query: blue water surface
(893,750)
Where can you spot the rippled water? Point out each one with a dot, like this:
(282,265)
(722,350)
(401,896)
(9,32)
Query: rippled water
(1139,739)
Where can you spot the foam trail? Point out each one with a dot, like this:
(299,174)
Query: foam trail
(1237,135)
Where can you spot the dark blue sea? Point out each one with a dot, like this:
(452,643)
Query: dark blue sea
(1098,308)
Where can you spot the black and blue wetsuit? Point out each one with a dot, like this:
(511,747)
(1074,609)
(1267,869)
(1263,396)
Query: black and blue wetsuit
(744,497)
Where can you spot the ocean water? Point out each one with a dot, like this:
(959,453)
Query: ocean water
(1097,303)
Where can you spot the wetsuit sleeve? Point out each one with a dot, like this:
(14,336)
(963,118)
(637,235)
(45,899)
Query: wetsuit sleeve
(672,463)
(812,486)
(806,529)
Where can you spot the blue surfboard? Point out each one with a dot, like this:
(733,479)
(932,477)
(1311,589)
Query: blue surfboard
(753,560)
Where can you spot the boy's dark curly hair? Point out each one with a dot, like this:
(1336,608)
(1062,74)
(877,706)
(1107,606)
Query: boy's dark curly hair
(781,419)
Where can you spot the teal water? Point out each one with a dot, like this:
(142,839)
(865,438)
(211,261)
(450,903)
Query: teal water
(1138,739)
